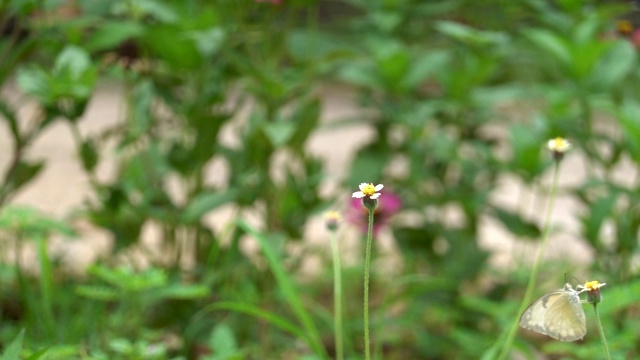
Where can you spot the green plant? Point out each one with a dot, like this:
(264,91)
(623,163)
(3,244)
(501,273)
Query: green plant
(221,101)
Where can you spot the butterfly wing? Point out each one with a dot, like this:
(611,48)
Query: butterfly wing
(565,319)
(533,318)
(558,314)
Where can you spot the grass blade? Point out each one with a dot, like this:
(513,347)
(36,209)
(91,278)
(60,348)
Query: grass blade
(13,350)
(286,286)
(252,310)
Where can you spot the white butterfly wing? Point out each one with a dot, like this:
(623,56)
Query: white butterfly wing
(565,318)
(534,317)
(558,314)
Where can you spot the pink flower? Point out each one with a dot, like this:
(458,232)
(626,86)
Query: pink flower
(635,38)
(388,205)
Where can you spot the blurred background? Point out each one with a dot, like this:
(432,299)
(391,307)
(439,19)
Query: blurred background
(165,166)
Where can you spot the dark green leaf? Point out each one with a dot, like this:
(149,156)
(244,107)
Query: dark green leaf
(306,120)
(111,34)
(88,155)
(24,173)
(207,201)
(516,224)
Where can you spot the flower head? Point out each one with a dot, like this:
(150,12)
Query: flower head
(332,220)
(624,27)
(367,189)
(388,205)
(369,195)
(593,291)
(558,147)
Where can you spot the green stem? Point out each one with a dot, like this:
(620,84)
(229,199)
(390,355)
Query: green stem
(506,345)
(337,296)
(46,284)
(601,331)
(367,265)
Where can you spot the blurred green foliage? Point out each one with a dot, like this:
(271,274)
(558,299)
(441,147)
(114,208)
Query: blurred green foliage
(461,96)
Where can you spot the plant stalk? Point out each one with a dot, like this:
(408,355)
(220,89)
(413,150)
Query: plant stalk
(367,265)
(601,331)
(506,345)
(337,297)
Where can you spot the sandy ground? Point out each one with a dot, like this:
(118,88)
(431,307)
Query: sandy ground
(63,187)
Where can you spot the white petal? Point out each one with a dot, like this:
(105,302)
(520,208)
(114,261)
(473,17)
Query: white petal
(379,187)
(374,196)
(358,195)
(362,186)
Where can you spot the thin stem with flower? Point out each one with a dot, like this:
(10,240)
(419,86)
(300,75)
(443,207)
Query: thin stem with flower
(367,265)
(506,345)
(337,297)
(603,338)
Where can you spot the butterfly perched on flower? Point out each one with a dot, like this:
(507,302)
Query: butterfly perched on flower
(558,314)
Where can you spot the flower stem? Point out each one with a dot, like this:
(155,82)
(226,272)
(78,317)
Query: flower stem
(337,297)
(601,331)
(367,265)
(506,345)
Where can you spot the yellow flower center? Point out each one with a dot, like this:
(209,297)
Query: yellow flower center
(559,145)
(592,285)
(368,190)
(332,216)
(625,27)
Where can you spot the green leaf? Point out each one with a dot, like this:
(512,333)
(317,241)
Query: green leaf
(73,62)
(9,115)
(88,155)
(614,66)
(111,34)
(552,44)
(361,73)
(12,352)
(525,142)
(286,285)
(628,116)
(42,354)
(393,61)
(24,173)
(256,311)
(208,41)
(279,132)
(157,9)
(207,201)
(515,223)
(617,297)
(223,341)
(309,45)
(599,211)
(425,66)
(95,292)
(30,221)
(172,45)
(34,81)
(184,292)
(17,55)
(306,118)
(469,35)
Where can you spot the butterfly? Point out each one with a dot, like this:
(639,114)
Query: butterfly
(558,314)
